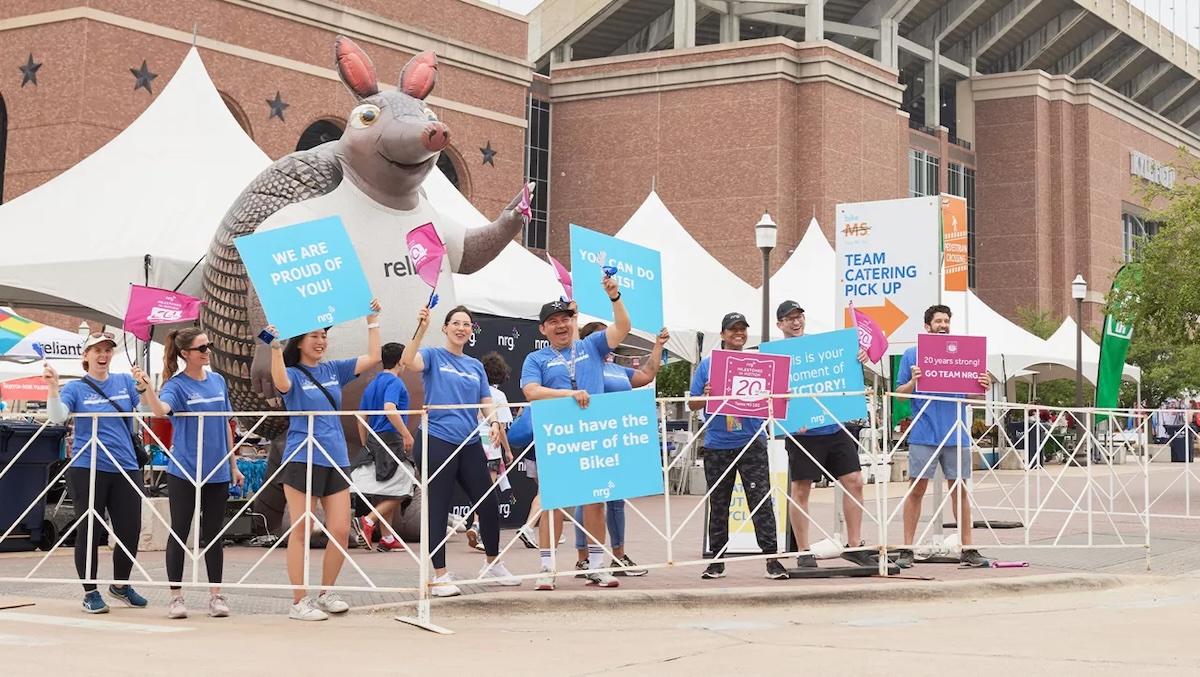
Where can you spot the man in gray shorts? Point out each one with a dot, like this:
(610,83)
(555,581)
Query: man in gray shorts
(930,444)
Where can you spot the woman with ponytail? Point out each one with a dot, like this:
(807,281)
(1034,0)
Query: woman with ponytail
(200,459)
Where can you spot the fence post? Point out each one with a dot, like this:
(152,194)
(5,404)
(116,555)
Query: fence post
(1087,433)
(423,618)
(877,465)
(666,469)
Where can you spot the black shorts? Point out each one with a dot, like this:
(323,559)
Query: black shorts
(837,454)
(326,481)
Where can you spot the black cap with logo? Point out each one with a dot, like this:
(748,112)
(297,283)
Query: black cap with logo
(732,319)
(554,308)
(786,308)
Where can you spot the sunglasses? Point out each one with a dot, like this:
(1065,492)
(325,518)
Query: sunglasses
(202,348)
(104,334)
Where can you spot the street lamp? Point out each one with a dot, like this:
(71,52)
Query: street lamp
(766,233)
(1078,292)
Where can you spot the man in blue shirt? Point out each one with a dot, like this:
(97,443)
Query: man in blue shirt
(828,451)
(570,367)
(388,436)
(939,435)
(734,445)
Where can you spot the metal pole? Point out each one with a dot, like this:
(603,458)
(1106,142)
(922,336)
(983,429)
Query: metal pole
(1078,352)
(766,296)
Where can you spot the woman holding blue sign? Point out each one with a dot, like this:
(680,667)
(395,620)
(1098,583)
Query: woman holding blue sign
(197,464)
(618,379)
(454,453)
(309,384)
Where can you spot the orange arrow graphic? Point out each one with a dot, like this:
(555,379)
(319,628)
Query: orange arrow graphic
(889,317)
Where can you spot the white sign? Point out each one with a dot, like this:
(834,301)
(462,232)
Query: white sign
(887,263)
(1151,170)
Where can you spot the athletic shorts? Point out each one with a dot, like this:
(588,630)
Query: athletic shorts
(836,453)
(326,481)
(920,467)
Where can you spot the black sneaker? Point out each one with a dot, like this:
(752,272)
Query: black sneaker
(862,558)
(971,559)
(626,567)
(714,570)
(775,570)
(905,559)
(526,538)
(806,561)
(581,565)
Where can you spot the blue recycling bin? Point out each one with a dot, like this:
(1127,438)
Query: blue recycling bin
(25,479)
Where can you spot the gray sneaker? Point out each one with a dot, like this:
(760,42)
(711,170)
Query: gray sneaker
(331,603)
(806,562)
(177,608)
(971,559)
(905,559)
(218,607)
(603,580)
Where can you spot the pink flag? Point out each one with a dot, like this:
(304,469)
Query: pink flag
(425,250)
(564,277)
(870,337)
(151,305)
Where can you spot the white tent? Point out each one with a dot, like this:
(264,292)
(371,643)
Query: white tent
(1062,345)
(809,277)
(698,291)
(140,209)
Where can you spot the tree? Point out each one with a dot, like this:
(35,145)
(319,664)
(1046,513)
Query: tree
(1162,302)
(673,379)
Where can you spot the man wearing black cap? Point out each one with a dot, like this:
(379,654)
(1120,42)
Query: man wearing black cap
(734,445)
(574,368)
(825,451)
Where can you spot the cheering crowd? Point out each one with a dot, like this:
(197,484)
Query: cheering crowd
(471,437)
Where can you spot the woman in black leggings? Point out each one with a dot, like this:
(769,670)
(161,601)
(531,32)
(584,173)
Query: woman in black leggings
(204,463)
(103,447)
(454,453)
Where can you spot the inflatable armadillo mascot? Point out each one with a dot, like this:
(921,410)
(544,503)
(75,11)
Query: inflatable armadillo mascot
(371,177)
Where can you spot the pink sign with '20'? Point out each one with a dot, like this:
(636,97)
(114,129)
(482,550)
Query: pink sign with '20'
(951,364)
(747,378)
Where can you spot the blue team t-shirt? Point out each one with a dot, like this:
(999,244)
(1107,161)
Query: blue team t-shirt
(726,432)
(185,394)
(113,433)
(384,388)
(453,379)
(617,379)
(548,367)
(327,430)
(932,419)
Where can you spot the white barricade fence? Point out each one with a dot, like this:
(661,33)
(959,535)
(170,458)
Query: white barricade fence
(1068,481)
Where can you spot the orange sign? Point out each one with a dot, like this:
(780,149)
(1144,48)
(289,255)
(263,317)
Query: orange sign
(888,316)
(29,388)
(954,242)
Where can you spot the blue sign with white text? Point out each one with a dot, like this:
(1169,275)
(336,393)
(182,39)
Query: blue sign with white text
(306,276)
(638,275)
(821,363)
(607,452)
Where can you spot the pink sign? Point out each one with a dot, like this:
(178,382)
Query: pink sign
(748,378)
(870,337)
(951,364)
(425,250)
(151,305)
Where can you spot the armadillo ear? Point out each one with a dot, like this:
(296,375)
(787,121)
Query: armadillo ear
(355,68)
(419,75)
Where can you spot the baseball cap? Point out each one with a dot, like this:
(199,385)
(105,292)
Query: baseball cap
(98,338)
(731,319)
(786,308)
(553,308)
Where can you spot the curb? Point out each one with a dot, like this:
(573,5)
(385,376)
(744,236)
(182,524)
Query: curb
(492,603)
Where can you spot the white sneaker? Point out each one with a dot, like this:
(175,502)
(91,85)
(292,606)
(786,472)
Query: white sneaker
(603,579)
(305,610)
(545,581)
(177,609)
(443,586)
(330,602)
(498,574)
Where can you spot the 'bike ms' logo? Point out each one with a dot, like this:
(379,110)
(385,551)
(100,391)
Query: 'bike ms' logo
(856,229)
(417,253)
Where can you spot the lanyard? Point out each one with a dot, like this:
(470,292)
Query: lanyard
(570,364)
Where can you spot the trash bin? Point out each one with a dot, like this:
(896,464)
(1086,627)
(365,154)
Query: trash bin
(1181,444)
(25,479)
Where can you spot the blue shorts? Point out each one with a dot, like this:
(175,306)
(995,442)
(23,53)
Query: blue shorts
(920,468)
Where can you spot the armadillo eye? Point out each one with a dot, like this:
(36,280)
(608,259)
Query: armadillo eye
(364,116)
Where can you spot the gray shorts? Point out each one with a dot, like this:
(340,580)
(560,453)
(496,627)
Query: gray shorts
(920,467)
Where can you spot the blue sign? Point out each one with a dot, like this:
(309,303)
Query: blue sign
(821,363)
(306,276)
(607,452)
(638,275)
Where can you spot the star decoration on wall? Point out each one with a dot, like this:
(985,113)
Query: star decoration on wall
(489,155)
(143,77)
(29,71)
(277,107)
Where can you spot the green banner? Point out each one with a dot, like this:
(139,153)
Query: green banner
(1114,346)
(901,407)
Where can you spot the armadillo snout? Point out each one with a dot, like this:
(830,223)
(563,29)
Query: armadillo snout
(436,136)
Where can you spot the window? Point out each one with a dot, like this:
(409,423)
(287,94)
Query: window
(537,170)
(319,132)
(1136,231)
(961,182)
(923,171)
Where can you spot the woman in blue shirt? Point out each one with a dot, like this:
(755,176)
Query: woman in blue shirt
(309,384)
(106,445)
(200,459)
(455,453)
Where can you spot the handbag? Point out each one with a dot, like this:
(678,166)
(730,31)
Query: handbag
(139,449)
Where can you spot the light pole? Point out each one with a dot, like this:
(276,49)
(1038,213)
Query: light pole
(766,233)
(1078,292)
